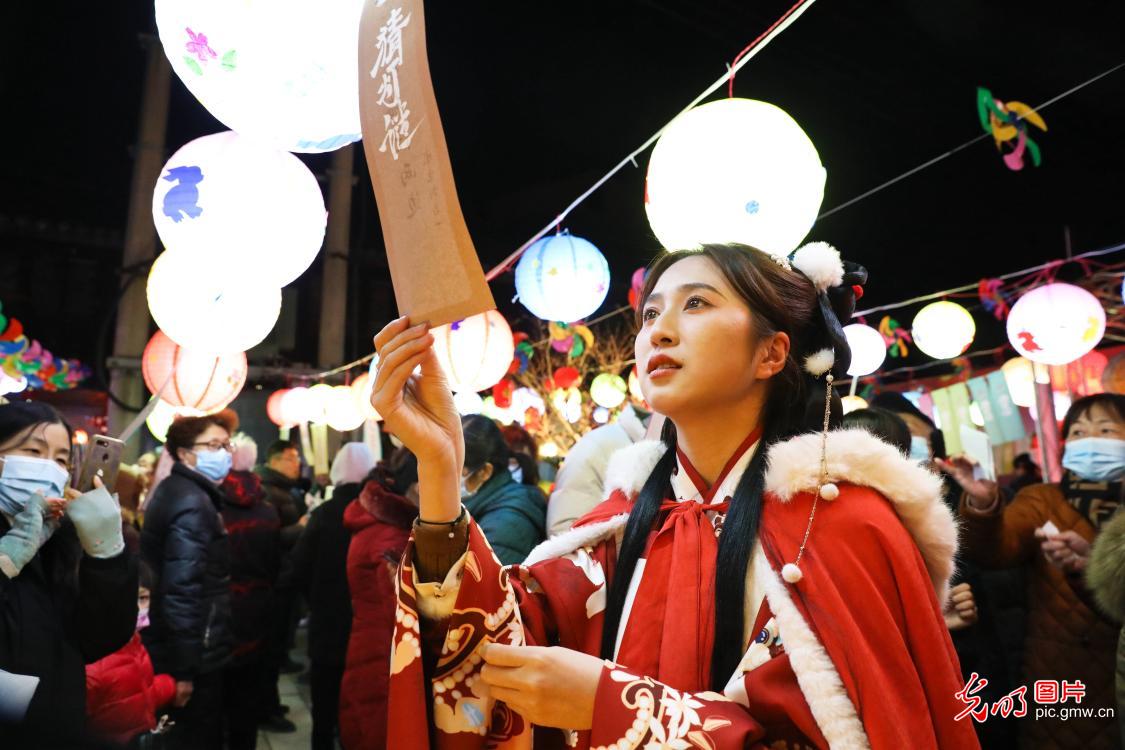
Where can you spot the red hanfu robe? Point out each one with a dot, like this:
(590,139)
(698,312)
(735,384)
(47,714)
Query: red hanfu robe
(854,655)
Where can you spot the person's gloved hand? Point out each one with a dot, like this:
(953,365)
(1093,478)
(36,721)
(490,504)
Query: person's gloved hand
(20,544)
(97,519)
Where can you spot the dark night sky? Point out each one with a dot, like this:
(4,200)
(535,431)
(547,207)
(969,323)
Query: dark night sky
(539,99)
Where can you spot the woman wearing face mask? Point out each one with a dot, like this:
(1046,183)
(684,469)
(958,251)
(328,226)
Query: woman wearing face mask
(67,585)
(186,544)
(1065,638)
(511,515)
(710,601)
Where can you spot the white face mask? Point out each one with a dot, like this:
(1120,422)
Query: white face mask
(920,449)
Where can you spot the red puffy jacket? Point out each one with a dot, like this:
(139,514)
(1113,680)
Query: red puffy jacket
(123,695)
(380,524)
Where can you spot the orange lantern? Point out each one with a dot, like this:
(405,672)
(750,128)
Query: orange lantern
(202,381)
(274,410)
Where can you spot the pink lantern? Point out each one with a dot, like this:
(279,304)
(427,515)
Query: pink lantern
(202,381)
(274,409)
(296,406)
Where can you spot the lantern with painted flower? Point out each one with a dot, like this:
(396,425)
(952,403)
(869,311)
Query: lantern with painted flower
(202,308)
(1056,324)
(239,207)
(476,352)
(283,72)
(943,329)
(562,278)
(734,170)
(184,377)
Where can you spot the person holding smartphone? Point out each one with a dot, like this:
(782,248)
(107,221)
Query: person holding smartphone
(67,584)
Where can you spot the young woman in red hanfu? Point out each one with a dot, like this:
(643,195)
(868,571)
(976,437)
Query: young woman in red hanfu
(752,580)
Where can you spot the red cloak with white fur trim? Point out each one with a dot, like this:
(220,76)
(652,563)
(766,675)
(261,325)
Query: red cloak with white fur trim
(854,655)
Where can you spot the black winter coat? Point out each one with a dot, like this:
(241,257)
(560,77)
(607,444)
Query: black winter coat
(63,611)
(186,544)
(255,559)
(320,570)
(288,498)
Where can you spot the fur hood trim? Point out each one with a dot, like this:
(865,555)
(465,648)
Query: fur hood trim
(1105,573)
(854,456)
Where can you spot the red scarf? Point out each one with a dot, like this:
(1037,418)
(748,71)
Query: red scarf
(670,630)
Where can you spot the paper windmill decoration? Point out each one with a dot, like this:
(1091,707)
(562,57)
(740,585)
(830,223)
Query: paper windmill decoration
(571,339)
(1007,122)
(895,336)
(524,352)
(21,357)
(993,298)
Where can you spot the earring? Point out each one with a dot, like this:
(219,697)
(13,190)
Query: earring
(791,572)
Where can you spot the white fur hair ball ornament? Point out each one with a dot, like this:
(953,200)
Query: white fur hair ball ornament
(821,264)
(820,362)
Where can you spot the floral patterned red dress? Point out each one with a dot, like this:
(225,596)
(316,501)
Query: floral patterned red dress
(854,655)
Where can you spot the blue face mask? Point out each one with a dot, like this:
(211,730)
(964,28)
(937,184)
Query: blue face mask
(919,449)
(23,476)
(215,465)
(1095,459)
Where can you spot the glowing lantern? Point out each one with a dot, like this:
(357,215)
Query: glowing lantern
(284,71)
(475,352)
(198,380)
(635,386)
(943,329)
(341,411)
(1056,324)
(852,403)
(361,393)
(1020,379)
(320,403)
(549,449)
(203,308)
(734,170)
(162,416)
(492,411)
(601,415)
(468,402)
(297,406)
(274,409)
(868,349)
(562,278)
(609,390)
(238,206)
(1061,401)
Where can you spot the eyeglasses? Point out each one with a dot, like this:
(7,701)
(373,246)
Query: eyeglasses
(216,445)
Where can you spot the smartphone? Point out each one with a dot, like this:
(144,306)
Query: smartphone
(103,460)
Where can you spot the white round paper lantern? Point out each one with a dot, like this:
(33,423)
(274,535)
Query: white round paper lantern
(297,406)
(320,403)
(1061,400)
(284,72)
(162,416)
(943,329)
(609,390)
(734,170)
(562,278)
(1019,376)
(475,352)
(868,349)
(1056,324)
(341,410)
(236,204)
(601,415)
(852,403)
(201,307)
(468,402)
(361,393)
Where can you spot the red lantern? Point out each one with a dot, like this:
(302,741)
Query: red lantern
(202,381)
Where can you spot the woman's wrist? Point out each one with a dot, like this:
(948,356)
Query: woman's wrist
(439,490)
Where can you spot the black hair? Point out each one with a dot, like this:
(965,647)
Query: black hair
(900,404)
(883,424)
(1024,461)
(785,301)
(18,418)
(523,447)
(397,473)
(278,447)
(485,444)
(146,576)
(1114,403)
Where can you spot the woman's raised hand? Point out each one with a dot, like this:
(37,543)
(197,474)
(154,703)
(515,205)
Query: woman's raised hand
(417,408)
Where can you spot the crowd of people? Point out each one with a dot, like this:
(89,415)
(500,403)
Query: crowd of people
(163,615)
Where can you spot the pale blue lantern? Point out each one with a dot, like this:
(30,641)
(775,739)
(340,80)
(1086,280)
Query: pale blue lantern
(562,278)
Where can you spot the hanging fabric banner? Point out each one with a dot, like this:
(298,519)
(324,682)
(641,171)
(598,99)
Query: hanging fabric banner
(943,410)
(982,397)
(1005,412)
